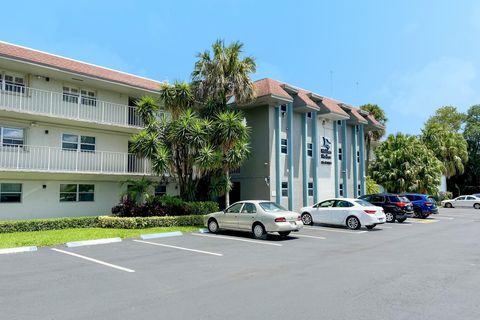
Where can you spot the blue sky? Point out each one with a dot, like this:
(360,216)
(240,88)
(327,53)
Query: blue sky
(409,57)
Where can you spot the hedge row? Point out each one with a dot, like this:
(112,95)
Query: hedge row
(98,222)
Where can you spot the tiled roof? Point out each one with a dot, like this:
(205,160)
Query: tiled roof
(375,122)
(81,68)
(267,87)
(334,106)
(355,112)
(302,94)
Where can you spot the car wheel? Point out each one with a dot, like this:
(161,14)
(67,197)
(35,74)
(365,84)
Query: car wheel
(370,227)
(284,233)
(418,214)
(425,215)
(390,217)
(213,226)
(259,232)
(353,223)
(307,219)
(401,220)
(476,205)
(448,205)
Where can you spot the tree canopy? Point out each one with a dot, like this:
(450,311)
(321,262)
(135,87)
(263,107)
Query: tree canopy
(448,117)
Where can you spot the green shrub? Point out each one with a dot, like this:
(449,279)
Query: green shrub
(202,207)
(47,224)
(149,222)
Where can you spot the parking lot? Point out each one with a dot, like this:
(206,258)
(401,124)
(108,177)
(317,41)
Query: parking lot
(421,269)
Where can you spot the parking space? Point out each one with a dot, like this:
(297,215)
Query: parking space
(141,278)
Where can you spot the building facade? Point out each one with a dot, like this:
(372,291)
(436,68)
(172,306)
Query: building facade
(304,147)
(64,132)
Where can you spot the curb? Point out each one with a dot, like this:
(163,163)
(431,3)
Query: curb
(203,230)
(92,242)
(18,250)
(161,235)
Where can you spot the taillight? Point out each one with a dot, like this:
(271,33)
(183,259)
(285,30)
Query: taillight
(281,219)
(401,204)
(370,211)
(428,203)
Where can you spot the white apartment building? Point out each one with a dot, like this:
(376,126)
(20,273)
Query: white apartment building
(304,147)
(64,132)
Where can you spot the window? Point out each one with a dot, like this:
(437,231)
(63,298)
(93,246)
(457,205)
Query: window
(364,203)
(359,189)
(283,108)
(358,156)
(249,208)
(459,198)
(339,122)
(160,190)
(12,83)
(234,208)
(10,192)
(70,95)
(88,98)
(71,142)
(11,137)
(343,204)
(310,189)
(470,198)
(284,146)
(271,207)
(394,199)
(340,189)
(309,149)
(339,154)
(77,192)
(326,204)
(284,189)
(377,199)
(309,115)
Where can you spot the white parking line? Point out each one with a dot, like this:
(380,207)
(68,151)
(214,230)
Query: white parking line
(333,230)
(305,236)
(94,260)
(237,239)
(179,248)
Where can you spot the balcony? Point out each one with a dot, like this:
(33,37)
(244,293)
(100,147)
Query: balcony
(68,106)
(47,159)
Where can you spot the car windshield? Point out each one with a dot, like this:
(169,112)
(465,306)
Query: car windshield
(394,199)
(271,207)
(431,199)
(364,203)
(405,199)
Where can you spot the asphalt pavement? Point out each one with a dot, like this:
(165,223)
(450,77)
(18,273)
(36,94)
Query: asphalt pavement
(421,269)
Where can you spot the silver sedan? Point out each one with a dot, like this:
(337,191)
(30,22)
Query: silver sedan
(257,216)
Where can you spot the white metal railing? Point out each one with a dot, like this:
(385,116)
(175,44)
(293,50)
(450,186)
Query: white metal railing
(67,105)
(38,158)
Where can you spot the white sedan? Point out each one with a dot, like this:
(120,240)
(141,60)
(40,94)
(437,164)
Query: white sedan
(462,201)
(353,213)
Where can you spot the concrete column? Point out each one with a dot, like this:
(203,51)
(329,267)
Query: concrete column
(315,154)
(335,156)
(304,160)
(354,162)
(278,179)
(361,134)
(290,154)
(344,159)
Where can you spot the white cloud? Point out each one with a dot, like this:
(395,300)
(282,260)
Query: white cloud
(415,95)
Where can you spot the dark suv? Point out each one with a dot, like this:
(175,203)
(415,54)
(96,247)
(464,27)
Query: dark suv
(423,205)
(392,204)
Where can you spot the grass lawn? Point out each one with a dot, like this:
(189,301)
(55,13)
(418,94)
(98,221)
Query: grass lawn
(53,237)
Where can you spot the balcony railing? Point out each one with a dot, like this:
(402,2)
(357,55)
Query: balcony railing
(67,105)
(48,159)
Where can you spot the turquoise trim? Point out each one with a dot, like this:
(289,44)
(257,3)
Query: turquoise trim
(315,159)
(344,159)
(290,154)
(361,134)
(278,180)
(304,160)
(335,157)
(354,161)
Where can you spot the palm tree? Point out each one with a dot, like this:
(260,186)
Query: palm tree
(449,147)
(225,74)
(373,135)
(231,134)
(138,190)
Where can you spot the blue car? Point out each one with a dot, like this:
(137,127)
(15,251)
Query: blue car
(423,204)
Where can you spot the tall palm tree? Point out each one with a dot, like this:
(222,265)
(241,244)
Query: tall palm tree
(223,74)
(373,135)
(231,134)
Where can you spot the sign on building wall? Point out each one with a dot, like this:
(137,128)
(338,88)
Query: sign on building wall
(326,151)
